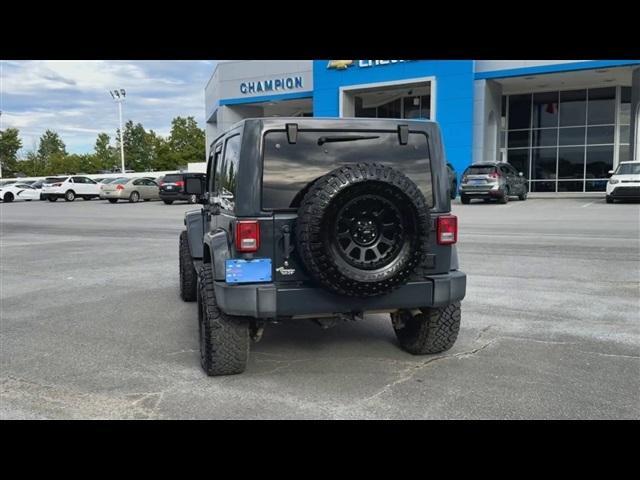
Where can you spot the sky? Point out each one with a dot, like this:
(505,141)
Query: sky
(72,97)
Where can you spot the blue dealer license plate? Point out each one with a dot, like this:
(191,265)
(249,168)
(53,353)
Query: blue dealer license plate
(248,271)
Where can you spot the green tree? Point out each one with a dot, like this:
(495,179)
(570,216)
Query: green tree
(186,142)
(51,152)
(105,155)
(138,147)
(30,165)
(10,143)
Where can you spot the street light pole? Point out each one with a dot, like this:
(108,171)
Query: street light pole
(118,97)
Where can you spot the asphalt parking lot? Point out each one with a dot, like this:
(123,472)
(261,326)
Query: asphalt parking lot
(92,325)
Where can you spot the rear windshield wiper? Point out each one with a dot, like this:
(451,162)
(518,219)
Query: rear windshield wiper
(351,138)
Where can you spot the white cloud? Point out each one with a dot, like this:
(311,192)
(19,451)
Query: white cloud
(71,97)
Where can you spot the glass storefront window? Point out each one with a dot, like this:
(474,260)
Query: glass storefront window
(545,110)
(571,136)
(570,186)
(391,109)
(565,140)
(547,137)
(596,185)
(520,160)
(602,106)
(519,111)
(543,186)
(363,112)
(543,163)
(599,161)
(518,138)
(599,135)
(573,107)
(570,162)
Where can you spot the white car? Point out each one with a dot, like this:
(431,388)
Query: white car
(18,191)
(624,182)
(71,187)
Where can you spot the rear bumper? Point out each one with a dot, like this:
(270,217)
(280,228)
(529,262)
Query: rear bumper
(272,301)
(111,194)
(173,196)
(488,191)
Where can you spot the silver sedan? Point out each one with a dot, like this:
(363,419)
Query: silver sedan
(131,189)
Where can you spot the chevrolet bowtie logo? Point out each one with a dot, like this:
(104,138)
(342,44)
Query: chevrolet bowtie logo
(340,64)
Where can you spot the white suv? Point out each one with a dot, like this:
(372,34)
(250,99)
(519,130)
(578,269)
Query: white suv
(624,182)
(71,187)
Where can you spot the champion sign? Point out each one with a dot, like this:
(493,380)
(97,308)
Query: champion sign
(278,84)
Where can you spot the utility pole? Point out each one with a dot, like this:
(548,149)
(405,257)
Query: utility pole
(118,97)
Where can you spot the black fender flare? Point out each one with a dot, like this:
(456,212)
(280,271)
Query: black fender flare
(217,244)
(194,221)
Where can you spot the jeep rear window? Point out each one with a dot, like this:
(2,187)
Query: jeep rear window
(480,170)
(288,168)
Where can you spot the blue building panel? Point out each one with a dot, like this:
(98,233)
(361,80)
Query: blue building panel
(452,86)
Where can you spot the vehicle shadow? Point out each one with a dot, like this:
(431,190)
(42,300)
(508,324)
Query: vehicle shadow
(306,336)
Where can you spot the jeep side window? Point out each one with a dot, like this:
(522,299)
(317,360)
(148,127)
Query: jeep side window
(215,157)
(226,172)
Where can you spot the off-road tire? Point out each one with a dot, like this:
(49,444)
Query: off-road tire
(113,200)
(8,197)
(134,197)
(319,217)
(168,202)
(69,196)
(188,274)
(434,330)
(465,199)
(224,339)
(609,199)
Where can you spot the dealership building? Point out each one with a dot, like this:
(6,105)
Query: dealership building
(564,124)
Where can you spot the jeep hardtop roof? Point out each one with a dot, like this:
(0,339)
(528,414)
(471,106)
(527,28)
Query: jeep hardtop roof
(356,123)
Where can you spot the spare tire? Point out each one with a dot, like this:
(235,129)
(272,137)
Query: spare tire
(362,229)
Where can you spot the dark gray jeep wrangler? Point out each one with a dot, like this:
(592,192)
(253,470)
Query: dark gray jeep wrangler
(323,219)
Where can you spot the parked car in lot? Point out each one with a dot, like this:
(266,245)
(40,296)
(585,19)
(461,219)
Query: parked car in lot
(172,187)
(453,181)
(131,189)
(18,191)
(624,182)
(71,187)
(492,180)
(321,233)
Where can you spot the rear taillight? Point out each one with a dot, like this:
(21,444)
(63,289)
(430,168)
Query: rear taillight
(179,183)
(247,236)
(447,229)
(119,187)
(160,183)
